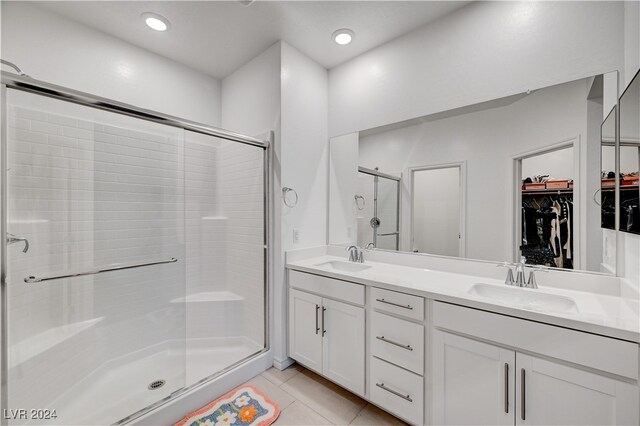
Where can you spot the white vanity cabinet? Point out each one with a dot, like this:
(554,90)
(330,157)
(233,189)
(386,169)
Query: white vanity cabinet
(549,393)
(473,382)
(326,334)
(484,383)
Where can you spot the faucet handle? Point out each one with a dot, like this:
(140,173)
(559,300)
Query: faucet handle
(353,253)
(531,282)
(509,280)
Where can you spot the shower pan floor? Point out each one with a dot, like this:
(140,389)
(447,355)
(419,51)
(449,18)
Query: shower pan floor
(120,387)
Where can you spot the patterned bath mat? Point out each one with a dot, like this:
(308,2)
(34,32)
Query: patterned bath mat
(244,406)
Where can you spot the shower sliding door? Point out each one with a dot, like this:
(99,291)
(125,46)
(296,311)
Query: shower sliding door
(226,253)
(95,262)
(135,260)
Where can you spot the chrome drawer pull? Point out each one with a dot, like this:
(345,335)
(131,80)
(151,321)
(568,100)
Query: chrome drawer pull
(406,397)
(395,304)
(400,345)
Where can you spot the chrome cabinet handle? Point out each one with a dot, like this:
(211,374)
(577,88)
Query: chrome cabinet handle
(523,398)
(506,388)
(317,328)
(405,397)
(323,329)
(108,268)
(400,345)
(395,304)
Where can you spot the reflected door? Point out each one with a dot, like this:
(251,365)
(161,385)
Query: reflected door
(95,302)
(436,196)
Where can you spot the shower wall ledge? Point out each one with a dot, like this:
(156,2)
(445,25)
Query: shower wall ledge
(40,343)
(209,296)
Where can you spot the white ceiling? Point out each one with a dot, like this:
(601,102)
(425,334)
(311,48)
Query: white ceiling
(217,37)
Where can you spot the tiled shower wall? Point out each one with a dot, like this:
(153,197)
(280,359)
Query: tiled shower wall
(87,194)
(225,246)
(242,192)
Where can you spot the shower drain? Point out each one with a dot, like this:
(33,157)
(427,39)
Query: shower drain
(156,384)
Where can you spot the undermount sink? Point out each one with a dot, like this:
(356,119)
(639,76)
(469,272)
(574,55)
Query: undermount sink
(344,266)
(526,298)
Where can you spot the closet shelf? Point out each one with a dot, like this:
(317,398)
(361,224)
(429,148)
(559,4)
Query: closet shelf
(547,191)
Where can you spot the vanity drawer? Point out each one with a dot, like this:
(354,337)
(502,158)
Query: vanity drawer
(398,341)
(329,287)
(397,303)
(397,391)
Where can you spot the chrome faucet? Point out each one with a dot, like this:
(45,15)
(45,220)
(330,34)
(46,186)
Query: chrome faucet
(12,239)
(355,254)
(370,246)
(520,281)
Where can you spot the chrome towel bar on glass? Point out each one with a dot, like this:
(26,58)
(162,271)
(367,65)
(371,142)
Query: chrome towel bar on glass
(107,268)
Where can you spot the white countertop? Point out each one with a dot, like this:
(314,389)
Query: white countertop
(600,314)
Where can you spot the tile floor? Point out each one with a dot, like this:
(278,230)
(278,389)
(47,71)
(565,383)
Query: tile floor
(308,399)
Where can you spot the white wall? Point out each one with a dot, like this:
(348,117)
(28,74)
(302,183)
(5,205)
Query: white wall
(483,51)
(486,140)
(556,164)
(305,148)
(305,152)
(631,41)
(55,49)
(343,186)
(251,95)
(629,244)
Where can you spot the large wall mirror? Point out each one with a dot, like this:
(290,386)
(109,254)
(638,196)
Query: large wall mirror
(630,157)
(521,176)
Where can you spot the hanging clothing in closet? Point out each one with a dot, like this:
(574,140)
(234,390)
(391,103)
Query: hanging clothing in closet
(547,230)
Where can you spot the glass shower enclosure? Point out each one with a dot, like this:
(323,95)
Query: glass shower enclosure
(134,263)
(378,203)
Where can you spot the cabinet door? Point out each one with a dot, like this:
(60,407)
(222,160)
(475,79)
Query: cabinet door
(473,382)
(305,335)
(548,393)
(343,348)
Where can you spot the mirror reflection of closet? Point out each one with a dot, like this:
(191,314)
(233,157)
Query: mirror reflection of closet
(547,208)
(630,157)
(490,139)
(608,177)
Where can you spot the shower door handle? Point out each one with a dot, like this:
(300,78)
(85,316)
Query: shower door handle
(109,268)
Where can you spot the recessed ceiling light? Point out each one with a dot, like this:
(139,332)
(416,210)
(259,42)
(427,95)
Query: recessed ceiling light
(343,36)
(155,21)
